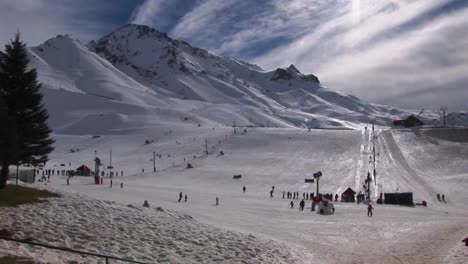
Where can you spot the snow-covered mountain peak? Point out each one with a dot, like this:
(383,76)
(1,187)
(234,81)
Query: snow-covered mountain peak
(293,73)
(293,69)
(138,76)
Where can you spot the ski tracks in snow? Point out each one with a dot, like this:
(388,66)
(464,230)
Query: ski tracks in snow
(363,164)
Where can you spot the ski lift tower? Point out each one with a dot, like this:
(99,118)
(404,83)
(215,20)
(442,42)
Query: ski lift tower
(368,181)
(97,163)
(317,176)
(444,110)
(110,167)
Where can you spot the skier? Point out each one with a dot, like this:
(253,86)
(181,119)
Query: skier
(185,198)
(301,205)
(438,197)
(336,198)
(121,185)
(369,210)
(283,194)
(271,194)
(68,181)
(243,189)
(292,204)
(146,204)
(217,200)
(443,197)
(180,197)
(110,183)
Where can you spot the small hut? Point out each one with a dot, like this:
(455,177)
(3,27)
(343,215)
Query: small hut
(348,196)
(411,121)
(83,170)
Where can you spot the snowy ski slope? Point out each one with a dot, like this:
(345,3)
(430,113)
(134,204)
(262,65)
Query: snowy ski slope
(408,160)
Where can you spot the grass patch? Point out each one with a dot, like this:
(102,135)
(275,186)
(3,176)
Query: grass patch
(11,260)
(14,195)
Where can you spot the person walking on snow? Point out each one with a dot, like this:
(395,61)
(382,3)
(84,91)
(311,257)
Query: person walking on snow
(271,194)
(283,194)
(217,200)
(301,205)
(243,189)
(180,197)
(185,200)
(292,204)
(369,210)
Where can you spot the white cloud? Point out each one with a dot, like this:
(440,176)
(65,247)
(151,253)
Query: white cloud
(147,12)
(382,51)
(39,20)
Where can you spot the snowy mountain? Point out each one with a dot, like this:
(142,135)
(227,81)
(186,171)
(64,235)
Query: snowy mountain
(137,76)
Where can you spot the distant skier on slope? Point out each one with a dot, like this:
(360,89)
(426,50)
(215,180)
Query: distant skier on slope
(185,200)
(180,197)
(217,200)
(243,189)
(291,204)
(369,210)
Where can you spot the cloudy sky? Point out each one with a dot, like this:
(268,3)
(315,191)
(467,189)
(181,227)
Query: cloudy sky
(407,53)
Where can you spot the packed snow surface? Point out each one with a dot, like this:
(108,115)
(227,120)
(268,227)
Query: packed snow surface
(407,160)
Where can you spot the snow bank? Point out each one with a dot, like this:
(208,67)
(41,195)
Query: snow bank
(134,232)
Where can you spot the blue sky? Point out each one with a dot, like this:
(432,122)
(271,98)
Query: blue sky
(407,53)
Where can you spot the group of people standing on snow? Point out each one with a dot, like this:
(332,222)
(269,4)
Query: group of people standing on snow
(295,195)
(441,198)
(180,197)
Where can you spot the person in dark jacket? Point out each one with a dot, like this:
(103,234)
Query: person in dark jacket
(369,210)
(243,189)
(180,197)
(301,205)
(185,200)
(291,204)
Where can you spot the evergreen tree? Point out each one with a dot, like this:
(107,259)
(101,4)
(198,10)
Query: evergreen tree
(26,136)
